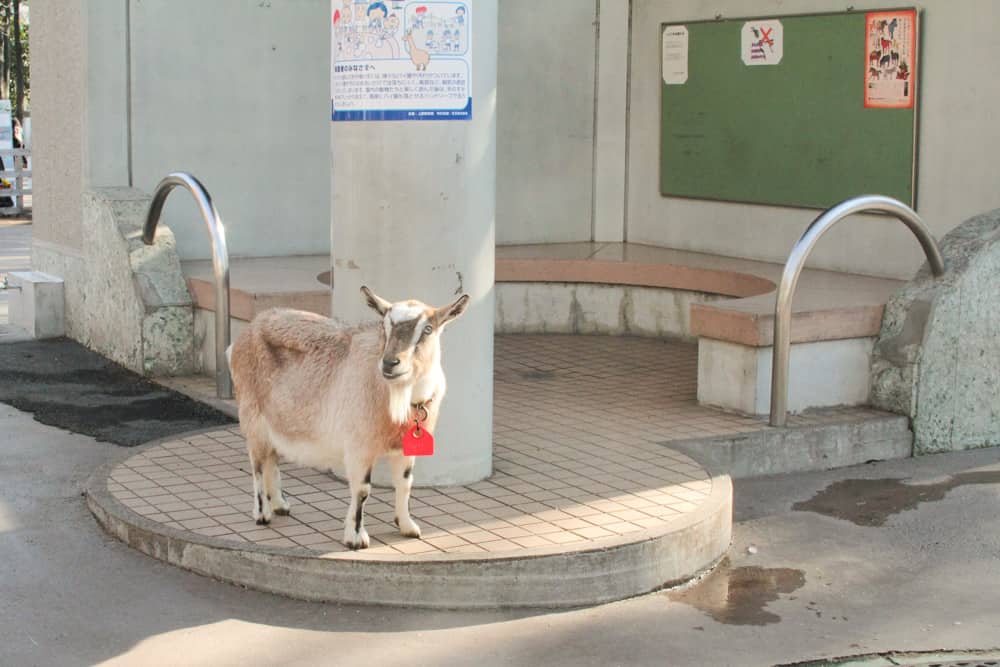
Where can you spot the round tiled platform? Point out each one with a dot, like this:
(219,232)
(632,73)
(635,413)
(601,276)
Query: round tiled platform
(560,525)
(586,503)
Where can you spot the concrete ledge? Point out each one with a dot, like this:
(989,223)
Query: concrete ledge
(37,303)
(589,309)
(803,448)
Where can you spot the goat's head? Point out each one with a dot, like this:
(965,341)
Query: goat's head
(410,334)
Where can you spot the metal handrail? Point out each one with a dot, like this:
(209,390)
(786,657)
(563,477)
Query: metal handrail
(220,263)
(793,267)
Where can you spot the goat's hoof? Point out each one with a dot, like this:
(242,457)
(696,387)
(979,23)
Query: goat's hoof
(282,511)
(262,521)
(408,528)
(358,541)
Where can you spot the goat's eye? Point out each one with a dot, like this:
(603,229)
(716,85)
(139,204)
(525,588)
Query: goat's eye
(428,330)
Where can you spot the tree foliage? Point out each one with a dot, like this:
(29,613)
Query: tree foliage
(14,54)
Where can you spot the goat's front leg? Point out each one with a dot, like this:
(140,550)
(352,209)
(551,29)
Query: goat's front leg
(359,477)
(402,478)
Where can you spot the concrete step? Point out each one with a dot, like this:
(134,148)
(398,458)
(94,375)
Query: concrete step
(803,447)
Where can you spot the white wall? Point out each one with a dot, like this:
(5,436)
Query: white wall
(237,93)
(107,99)
(58,93)
(545,120)
(958,144)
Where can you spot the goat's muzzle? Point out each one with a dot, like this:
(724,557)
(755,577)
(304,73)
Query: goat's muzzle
(391,370)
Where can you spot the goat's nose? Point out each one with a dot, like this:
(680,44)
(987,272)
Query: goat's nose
(389,364)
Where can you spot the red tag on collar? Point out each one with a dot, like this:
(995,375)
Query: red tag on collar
(418,441)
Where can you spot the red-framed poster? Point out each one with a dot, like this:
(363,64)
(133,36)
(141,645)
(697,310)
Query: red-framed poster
(891,57)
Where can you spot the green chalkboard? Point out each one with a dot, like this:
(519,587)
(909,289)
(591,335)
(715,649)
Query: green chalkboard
(796,133)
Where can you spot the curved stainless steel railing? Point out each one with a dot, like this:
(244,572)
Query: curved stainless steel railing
(220,263)
(793,267)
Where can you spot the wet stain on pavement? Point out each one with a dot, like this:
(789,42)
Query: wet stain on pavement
(870,502)
(68,386)
(739,595)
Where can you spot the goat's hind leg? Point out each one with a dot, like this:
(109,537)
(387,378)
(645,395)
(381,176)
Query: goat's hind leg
(359,476)
(271,477)
(261,454)
(402,478)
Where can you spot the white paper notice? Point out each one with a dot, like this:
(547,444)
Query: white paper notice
(762,42)
(675,54)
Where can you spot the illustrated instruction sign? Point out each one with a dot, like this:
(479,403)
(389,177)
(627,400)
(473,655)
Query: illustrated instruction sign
(762,42)
(675,54)
(891,56)
(401,60)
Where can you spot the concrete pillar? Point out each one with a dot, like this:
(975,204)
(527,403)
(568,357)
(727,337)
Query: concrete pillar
(413,217)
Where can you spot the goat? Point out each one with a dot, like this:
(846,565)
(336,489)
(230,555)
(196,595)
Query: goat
(319,393)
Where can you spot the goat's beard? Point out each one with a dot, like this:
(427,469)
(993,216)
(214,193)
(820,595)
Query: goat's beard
(400,396)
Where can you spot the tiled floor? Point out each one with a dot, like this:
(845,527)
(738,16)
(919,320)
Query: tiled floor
(579,427)
(201,484)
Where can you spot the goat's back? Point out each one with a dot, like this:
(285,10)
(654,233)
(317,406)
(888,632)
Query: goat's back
(288,363)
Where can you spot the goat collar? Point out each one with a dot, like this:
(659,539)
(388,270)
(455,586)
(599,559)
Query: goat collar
(422,406)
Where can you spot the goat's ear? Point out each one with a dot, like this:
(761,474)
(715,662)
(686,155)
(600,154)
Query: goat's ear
(446,314)
(375,302)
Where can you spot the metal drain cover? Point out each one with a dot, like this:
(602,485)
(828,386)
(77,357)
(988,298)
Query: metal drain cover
(989,658)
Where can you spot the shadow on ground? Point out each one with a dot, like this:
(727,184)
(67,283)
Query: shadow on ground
(66,385)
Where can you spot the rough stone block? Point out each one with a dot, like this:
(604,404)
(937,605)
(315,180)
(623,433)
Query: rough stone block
(937,357)
(129,301)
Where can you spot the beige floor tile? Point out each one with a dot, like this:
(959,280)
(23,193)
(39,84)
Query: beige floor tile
(414,547)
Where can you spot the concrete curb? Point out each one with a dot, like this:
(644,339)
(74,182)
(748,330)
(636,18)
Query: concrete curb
(603,571)
(802,448)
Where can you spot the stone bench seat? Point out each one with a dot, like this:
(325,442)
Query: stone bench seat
(259,283)
(726,303)
(828,305)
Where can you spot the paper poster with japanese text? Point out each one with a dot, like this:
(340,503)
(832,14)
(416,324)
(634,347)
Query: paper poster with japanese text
(401,60)
(675,55)
(890,56)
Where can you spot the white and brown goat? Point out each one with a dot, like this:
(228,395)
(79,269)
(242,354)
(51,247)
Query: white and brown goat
(321,394)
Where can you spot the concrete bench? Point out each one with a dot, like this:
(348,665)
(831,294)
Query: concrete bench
(725,303)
